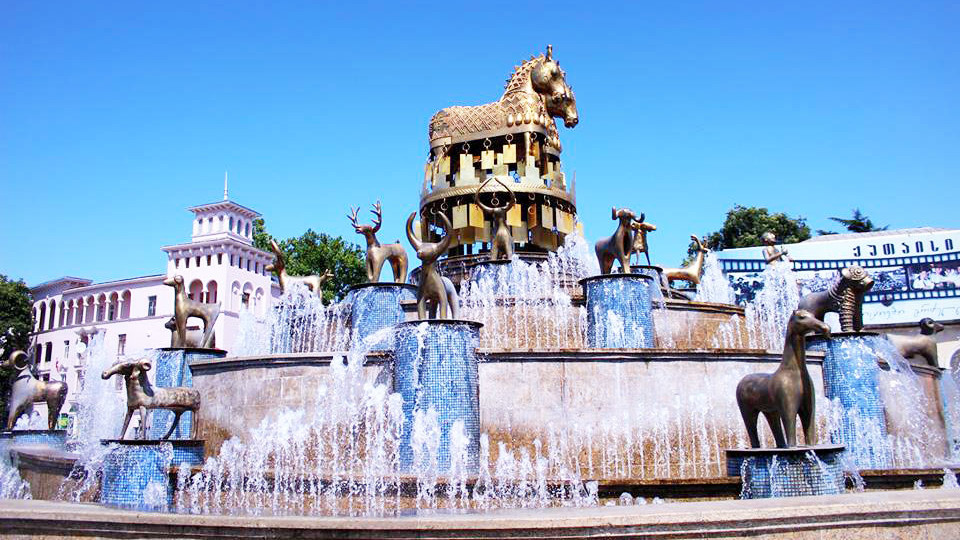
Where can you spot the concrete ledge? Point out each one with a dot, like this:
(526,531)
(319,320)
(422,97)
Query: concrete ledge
(907,514)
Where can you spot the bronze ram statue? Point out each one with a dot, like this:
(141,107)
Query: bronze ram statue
(27,390)
(845,297)
(141,395)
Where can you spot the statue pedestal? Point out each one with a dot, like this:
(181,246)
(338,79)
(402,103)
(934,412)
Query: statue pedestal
(850,376)
(375,306)
(435,370)
(170,366)
(787,472)
(619,311)
(54,438)
(136,473)
(656,272)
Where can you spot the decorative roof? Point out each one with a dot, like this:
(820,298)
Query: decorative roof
(67,281)
(225,205)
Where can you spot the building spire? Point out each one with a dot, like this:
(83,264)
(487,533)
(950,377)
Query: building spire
(225,185)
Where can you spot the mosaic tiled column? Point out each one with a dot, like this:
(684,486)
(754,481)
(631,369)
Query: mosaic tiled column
(495,276)
(136,474)
(787,472)
(375,306)
(619,311)
(850,377)
(435,367)
(656,272)
(171,366)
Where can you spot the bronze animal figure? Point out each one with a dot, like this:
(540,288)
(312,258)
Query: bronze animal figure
(194,337)
(432,289)
(314,283)
(184,308)
(845,297)
(501,245)
(27,390)
(640,244)
(536,93)
(923,345)
(690,272)
(378,253)
(141,396)
(617,247)
(787,392)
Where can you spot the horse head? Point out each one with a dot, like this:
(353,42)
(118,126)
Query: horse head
(550,82)
(803,322)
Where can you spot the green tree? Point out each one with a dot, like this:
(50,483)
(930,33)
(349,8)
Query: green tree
(16,322)
(746,224)
(858,223)
(313,253)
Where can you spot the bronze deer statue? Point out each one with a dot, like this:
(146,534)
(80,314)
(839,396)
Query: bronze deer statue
(184,308)
(27,390)
(432,288)
(141,396)
(618,246)
(787,392)
(692,271)
(378,253)
(314,283)
(501,245)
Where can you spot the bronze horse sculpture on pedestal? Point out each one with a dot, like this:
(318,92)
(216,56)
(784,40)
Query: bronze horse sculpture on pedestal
(787,392)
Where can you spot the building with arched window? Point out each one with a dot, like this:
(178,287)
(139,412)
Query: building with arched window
(218,264)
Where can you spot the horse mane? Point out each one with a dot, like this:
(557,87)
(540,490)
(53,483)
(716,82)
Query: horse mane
(521,73)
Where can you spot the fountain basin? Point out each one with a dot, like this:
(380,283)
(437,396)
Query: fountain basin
(787,472)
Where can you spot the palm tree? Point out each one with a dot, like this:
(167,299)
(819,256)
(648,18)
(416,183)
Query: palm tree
(858,223)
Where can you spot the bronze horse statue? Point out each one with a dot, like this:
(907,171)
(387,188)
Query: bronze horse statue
(787,392)
(27,390)
(536,93)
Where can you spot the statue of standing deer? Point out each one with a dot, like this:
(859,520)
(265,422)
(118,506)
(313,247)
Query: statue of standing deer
(314,283)
(692,271)
(378,253)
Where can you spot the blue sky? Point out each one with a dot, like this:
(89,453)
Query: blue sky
(116,116)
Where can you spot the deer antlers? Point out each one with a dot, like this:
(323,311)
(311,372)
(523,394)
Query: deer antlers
(377,218)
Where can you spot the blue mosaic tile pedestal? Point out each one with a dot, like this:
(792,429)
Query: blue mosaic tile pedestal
(171,368)
(656,273)
(136,473)
(435,367)
(850,376)
(787,472)
(375,306)
(619,311)
(55,438)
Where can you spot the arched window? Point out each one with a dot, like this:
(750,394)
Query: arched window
(259,302)
(235,296)
(212,291)
(43,317)
(53,315)
(230,228)
(247,229)
(246,297)
(127,297)
(195,292)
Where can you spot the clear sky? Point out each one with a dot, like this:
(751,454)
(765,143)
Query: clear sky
(116,116)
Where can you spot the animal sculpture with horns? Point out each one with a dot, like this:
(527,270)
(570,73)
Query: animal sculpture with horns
(378,253)
(279,267)
(141,396)
(536,93)
(692,271)
(27,390)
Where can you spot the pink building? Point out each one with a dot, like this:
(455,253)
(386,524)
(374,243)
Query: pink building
(219,264)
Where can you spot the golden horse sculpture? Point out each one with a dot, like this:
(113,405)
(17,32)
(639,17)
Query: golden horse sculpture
(432,289)
(314,283)
(184,308)
(501,246)
(787,392)
(536,93)
(690,272)
(378,253)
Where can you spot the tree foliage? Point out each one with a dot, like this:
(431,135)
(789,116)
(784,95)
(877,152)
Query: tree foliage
(746,224)
(857,223)
(16,322)
(313,253)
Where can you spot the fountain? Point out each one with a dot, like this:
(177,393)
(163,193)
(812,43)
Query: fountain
(518,371)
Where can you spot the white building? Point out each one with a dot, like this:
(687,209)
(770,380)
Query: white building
(219,264)
(916,273)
